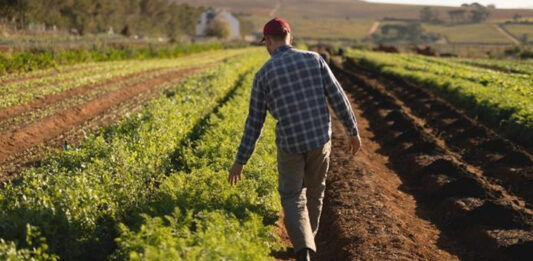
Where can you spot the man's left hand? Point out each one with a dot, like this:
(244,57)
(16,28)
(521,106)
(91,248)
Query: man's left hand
(235,173)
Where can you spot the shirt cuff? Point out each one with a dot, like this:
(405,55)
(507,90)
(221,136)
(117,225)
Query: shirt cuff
(241,160)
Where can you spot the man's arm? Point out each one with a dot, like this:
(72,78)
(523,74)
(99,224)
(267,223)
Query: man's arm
(252,130)
(254,123)
(337,99)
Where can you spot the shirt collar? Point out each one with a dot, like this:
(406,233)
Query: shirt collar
(281,49)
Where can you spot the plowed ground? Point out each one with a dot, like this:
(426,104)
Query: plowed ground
(29,131)
(429,184)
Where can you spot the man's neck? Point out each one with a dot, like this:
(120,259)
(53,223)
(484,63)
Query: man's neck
(277,46)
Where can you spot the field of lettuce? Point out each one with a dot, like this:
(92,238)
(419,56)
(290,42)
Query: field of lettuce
(153,186)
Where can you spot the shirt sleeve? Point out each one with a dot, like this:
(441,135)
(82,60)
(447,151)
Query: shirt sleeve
(254,123)
(337,99)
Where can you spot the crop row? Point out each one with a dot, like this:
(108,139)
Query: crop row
(498,98)
(76,200)
(14,123)
(29,61)
(196,214)
(510,66)
(21,92)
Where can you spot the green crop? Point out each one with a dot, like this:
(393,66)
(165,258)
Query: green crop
(81,200)
(53,84)
(28,61)
(498,98)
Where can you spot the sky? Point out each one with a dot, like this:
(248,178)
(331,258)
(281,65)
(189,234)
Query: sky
(498,3)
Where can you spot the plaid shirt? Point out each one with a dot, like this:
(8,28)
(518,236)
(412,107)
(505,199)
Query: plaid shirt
(293,86)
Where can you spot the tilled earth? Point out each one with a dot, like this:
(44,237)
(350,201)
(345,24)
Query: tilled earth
(430,183)
(23,143)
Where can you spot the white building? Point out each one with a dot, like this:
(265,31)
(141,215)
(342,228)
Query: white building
(207,18)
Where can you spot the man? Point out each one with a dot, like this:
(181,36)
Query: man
(294,86)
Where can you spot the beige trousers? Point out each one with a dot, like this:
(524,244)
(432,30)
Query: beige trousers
(302,182)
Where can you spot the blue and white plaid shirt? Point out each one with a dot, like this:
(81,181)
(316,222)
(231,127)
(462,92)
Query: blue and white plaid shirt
(294,85)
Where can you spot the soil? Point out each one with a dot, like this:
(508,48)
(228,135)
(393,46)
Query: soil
(430,183)
(25,146)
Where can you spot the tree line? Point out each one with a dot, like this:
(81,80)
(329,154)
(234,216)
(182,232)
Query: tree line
(139,17)
(468,13)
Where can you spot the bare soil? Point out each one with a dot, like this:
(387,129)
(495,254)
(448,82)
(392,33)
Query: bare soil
(25,146)
(429,184)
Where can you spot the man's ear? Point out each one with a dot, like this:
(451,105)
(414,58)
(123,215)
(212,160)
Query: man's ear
(268,40)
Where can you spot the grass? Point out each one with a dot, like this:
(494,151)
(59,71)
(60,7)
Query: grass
(307,27)
(520,29)
(473,33)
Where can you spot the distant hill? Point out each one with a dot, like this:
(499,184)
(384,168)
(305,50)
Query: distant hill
(353,9)
(341,18)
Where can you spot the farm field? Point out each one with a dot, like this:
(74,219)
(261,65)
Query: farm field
(513,66)
(127,160)
(153,162)
(499,98)
(64,99)
(468,181)
(468,33)
(519,30)
(352,19)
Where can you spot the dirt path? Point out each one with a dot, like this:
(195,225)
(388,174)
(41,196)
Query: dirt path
(367,215)
(408,196)
(486,152)
(374,27)
(506,33)
(416,192)
(25,145)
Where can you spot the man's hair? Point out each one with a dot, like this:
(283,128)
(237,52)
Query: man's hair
(279,37)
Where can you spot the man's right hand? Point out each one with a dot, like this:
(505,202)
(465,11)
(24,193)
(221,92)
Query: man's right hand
(354,144)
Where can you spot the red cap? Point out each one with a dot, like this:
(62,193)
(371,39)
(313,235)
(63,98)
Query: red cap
(276,26)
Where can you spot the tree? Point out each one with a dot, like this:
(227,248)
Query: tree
(15,10)
(457,16)
(479,14)
(414,31)
(524,39)
(150,17)
(218,28)
(517,17)
(428,15)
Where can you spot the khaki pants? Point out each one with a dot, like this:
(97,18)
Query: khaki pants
(302,182)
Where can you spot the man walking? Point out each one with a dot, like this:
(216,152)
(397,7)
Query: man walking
(295,86)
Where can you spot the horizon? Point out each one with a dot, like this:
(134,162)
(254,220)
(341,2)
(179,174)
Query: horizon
(500,4)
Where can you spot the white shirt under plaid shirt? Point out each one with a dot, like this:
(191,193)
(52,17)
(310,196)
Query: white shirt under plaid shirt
(294,85)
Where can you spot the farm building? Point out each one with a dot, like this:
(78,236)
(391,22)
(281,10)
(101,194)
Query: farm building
(207,21)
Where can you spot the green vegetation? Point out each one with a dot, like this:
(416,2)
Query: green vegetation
(169,162)
(403,32)
(21,92)
(28,61)
(472,33)
(141,17)
(499,98)
(511,66)
(221,213)
(522,32)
